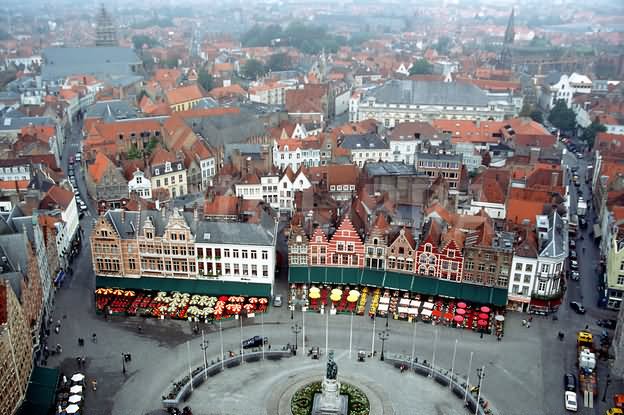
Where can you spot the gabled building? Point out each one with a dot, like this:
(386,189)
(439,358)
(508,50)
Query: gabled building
(401,251)
(184,98)
(365,148)
(405,138)
(168,172)
(105,182)
(376,243)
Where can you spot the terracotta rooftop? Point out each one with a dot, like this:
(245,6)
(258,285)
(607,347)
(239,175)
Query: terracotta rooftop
(18,185)
(413,130)
(161,156)
(184,94)
(59,196)
(99,167)
(470,131)
(221,205)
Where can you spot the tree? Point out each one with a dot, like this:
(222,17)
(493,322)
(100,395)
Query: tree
(421,67)
(134,153)
(205,80)
(486,159)
(537,116)
(253,68)
(562,117)
(589,135)
(151,146)
(278,62)
(139,41)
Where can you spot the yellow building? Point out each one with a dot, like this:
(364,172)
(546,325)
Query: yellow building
(184,98)
(615,269)
(15,351)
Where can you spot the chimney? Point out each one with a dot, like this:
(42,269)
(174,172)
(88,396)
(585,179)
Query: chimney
(554,178)
(534,155)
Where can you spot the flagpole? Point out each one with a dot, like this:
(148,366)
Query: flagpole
(351,336)
(468,377)
(453,364)
(188,350)
(373,342)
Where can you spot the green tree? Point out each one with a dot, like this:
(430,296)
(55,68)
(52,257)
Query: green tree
(589,134)
(562,117)
(252,69)
(140,40)
(134,153)
(170,63)
(537,116)
(279,62)
(205,80)
(151,146)
(421,67)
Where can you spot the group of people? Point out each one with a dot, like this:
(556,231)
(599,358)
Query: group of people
(527,322)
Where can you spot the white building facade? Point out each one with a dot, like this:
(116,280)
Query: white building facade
(295,153)
(140,184)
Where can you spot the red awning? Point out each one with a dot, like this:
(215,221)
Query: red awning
(436,313)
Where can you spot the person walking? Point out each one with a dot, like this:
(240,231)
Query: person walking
(94,384)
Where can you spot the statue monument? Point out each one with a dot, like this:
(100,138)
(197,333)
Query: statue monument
(330,401)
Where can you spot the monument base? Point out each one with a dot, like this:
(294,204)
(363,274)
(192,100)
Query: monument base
(330,401)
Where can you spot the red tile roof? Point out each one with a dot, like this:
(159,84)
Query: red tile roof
(14,185)
(526,204)
(99,167)
(161,156)
(184,94)
(470,131)
(222,92)
(221,205)
(59,196)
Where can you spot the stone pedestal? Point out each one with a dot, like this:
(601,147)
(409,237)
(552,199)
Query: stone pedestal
(330,401)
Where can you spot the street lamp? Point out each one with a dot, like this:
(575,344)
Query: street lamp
(296,328)
(204,346)
(481,376)
(123,363)
(604,395)
(387,318)
(383,336)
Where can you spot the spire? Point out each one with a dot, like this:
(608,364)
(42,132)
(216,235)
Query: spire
(510,31)
(105,33)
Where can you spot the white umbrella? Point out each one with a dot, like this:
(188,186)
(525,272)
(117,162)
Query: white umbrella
(77,377)
(72,409)
(500,317)
(75,389)
(75,399)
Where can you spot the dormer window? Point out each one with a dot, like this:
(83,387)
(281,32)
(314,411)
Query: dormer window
(157,172)
(167,167)
(179,166)
(149,235)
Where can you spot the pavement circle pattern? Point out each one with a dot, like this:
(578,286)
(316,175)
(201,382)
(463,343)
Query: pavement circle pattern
(267,388)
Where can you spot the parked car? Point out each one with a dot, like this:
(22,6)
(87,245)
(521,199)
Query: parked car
(577,307)
(72,159)
(572,253)
(583,223)
(255,341)
(607,324)
(78,157)
(83,207)
(579,155)
(569,382)
(277,301)
(574,264)
(572,244)
(570,401)
(575,275)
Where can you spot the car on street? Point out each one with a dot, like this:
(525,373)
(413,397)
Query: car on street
(579,155)
(574,264)
(572,253)
(78,157)
(72,159)
(83,207)
(572,244)
(577,307)
(569,382)
(575,275)
(607,324)
(255,341)
(570,401)
(277,301)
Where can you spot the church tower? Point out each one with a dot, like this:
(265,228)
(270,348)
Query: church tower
(105,33)
(504,59)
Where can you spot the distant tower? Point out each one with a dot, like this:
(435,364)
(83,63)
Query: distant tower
(504,59)
(105,33)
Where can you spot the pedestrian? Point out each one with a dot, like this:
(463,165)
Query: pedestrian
(530,319)
(94,384)
(57,329)
(524,322)
(498,337)
(79,362)
(269,346)
(528,325)
(94,338)
(59,349)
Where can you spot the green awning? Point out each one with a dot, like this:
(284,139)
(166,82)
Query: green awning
(373,277)
(41,392)
(449,289)
(397,281)
(475,294)
(499,296)
(317,275)
(298,275)
(333,275)
(191,286)
(424,285)
(351,276)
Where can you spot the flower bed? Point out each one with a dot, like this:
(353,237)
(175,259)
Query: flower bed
(176,305)
(302,400)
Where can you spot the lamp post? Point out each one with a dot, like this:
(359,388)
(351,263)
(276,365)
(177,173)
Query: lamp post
(123,363)
(296,328)
(204,345)
(468,378)
(481,376)
(387,317)
(221,337)
(604,395)
(383,336)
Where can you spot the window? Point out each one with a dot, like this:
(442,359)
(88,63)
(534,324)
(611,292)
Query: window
(245,254)
(527,279)
(481,267)
(235,253)
(236,269)
(492,268)
(541,286)
(265,254)
(265,270)
(620,280)
(528,267)
(545,268)
(254,254)
(517,277)
(518,266)
(469,266)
